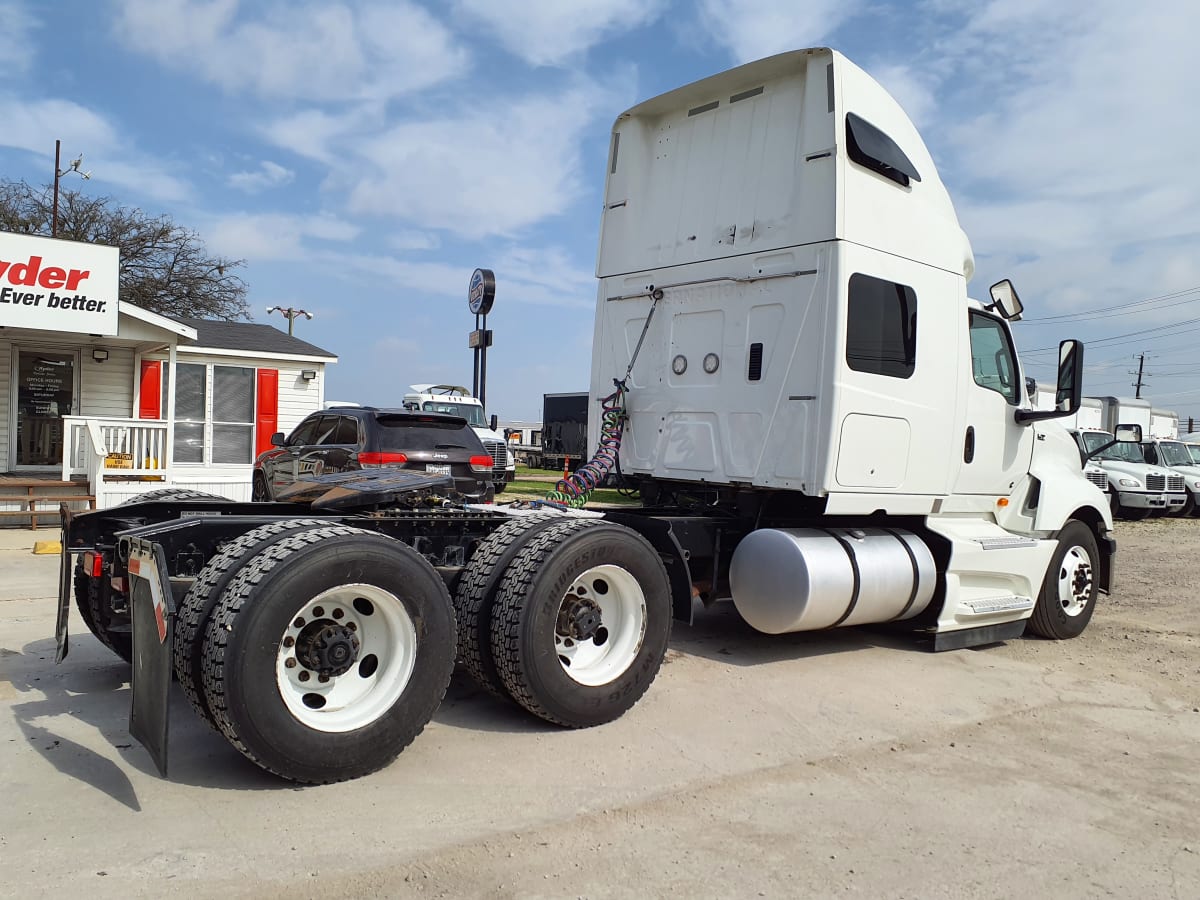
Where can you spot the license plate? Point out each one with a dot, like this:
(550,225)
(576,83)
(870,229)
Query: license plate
(434,469)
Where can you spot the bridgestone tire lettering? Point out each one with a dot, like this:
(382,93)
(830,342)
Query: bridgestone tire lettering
(242,640)
(527,609)
(476,596)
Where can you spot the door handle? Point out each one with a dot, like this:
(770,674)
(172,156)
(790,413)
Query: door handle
(969,445)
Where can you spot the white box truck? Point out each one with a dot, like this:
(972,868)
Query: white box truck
(823,425)
(1136,411)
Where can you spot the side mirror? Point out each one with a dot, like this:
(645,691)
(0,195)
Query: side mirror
(1068,393)
(1128,434)
(1005,300)
(495,420)
(278,439)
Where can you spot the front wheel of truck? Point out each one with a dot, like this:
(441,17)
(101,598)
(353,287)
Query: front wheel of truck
(1069,590)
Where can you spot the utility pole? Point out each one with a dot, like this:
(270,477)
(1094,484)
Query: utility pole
(1138,384)
(291,314)
(58,174)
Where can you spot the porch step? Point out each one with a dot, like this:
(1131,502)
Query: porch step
(25,500)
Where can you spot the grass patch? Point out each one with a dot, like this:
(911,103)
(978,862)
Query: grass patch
(536,490)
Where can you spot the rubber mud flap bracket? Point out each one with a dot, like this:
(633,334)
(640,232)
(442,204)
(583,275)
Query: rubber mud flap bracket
(152,610)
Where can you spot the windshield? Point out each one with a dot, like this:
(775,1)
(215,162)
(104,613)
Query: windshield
(1121,452)
(1173,453)
(469,411)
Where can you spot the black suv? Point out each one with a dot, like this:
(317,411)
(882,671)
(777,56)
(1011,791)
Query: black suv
(346,438)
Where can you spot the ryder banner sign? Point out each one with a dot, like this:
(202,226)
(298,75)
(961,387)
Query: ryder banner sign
(58,285)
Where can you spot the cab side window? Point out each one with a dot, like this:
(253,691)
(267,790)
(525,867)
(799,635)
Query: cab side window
(993,362)
(881,327)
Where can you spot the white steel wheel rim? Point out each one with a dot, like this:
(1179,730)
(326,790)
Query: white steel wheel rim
(605,655)
(1075,579)
(379,673)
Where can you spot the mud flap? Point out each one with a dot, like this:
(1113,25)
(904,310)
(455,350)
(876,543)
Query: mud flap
(64,602)
(152,611)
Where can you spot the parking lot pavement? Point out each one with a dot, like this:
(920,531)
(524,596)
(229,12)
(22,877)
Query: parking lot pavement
(820,764)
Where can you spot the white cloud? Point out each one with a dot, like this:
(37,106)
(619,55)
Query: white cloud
(17,25)
(477,173)
(541,276)
(751,29)
(411,239)
(272,236)
(1066,134)
(550,32)
(267,175)
(291,50)
(34,125)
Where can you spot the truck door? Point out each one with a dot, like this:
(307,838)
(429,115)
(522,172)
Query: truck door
(994,450)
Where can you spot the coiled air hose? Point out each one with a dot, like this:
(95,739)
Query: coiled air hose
(574,491)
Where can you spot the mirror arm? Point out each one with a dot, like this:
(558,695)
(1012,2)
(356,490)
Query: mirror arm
(1025,416)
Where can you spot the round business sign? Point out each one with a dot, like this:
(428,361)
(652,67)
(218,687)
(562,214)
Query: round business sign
(482,292)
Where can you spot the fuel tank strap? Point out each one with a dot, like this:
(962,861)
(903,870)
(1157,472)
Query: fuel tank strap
(853,571)
(916,579)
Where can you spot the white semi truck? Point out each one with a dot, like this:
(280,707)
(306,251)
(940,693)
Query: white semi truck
(823,426)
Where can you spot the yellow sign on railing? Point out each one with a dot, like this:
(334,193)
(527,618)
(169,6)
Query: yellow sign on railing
(118,461)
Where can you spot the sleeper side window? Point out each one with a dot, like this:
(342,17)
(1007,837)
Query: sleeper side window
(881,327)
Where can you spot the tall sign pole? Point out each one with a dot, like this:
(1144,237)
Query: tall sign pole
(481,293)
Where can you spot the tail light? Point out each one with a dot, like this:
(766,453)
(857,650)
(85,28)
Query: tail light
(481,464)
(93,564)
(382,459)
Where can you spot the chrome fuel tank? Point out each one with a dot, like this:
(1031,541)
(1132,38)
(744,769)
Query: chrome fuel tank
(803,579)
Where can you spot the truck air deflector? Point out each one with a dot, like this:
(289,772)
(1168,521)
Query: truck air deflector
(870,147)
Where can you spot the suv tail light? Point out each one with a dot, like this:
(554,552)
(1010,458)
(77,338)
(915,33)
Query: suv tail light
(381,459)
(481,464)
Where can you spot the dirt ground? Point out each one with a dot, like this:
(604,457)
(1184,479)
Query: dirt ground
(843,763)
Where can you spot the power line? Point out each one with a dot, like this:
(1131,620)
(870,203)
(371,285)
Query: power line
(1105,312)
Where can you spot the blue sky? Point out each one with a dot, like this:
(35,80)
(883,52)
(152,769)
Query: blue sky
(365,157)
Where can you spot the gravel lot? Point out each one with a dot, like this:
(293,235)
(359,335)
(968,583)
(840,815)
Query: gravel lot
(834,764)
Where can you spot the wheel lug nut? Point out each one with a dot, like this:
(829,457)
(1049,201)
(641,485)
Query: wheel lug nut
(291,662)
(289,641)
(299,623)
(337,613)
(318,611)
(322,678)
(304,676)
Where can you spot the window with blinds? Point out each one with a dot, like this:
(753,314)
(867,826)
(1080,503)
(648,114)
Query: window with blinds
(218,402)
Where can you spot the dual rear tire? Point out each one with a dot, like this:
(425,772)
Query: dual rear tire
(320,651)
(569,618)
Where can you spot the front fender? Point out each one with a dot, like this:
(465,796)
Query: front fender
(1065,492)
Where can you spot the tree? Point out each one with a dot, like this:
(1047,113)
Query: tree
(164,268)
